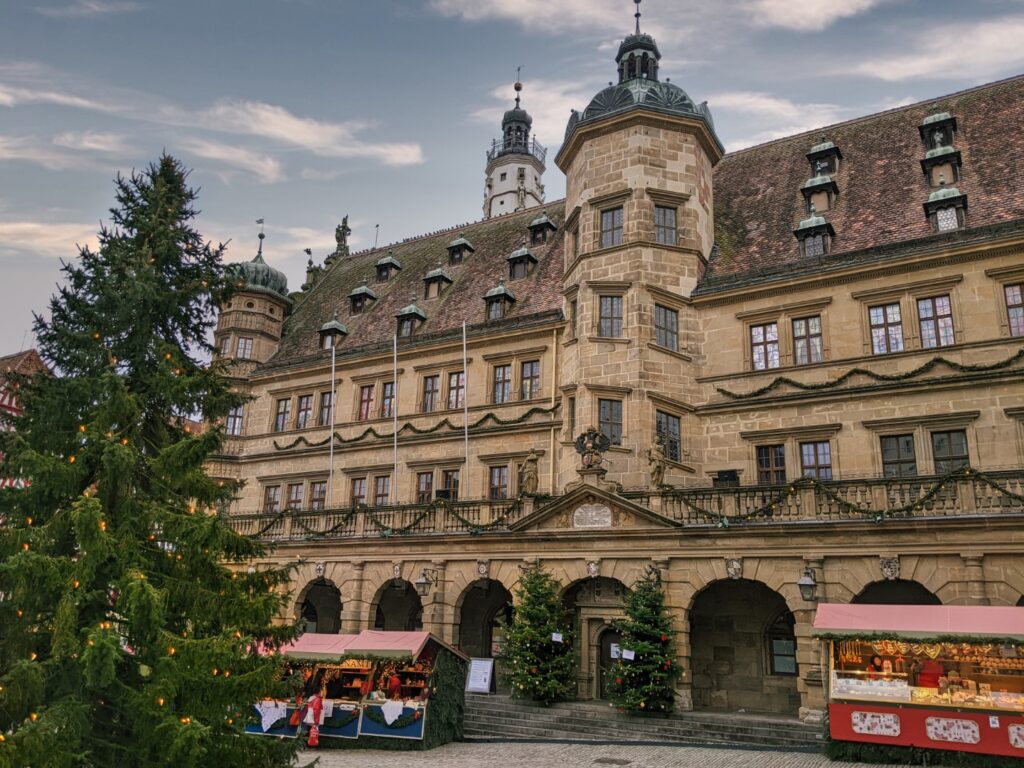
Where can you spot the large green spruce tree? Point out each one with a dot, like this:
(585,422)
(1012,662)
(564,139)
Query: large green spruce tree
(540,666)
(129,620)
(645,683)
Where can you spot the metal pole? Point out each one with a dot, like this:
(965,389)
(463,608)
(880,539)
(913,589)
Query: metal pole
(394,415)
(465,404)
(334,402)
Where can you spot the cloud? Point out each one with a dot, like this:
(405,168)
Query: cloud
(263,167)
(969,50)
(87,8)
(89,141)
(30,150)
(775,117)
(541,14)
(49,239)
(12,96)
(806,15)
(547,101)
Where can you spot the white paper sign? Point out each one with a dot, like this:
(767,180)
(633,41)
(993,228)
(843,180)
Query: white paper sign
(615,651)
(556,637)
(480,673)
(628,655)
(993,721)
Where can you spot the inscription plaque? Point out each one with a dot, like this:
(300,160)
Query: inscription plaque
(592,516)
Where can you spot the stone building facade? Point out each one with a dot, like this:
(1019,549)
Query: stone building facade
(807,358)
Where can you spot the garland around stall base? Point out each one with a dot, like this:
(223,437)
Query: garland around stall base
(878,377)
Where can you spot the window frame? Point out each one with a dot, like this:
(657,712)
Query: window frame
(381,490)
(771,472)
(295,501)
(496,308)
(774,632)
(430,394)
(271,499)
(614,408)
(283,415)
(366,401)
(388,399)
(357,491)
(504,381)
(246,343)
(501,489)
(962,460)
(326,417)
(406,327)
(234,421)
(765,345)
(304,415)
(821,449)
(610,325)
(451,479)
(612,235)
(935,320)
(667,439)
(885,326)
(901,461)
(425,488)
(666,332)
(317,500)
(808,337)
(1012,323)
(459,390)
(661,230)
(534,378)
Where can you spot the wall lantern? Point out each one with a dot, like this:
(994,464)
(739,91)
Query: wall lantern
(427,579)
(808,585)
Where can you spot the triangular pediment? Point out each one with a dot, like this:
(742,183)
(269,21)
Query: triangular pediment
(589,508)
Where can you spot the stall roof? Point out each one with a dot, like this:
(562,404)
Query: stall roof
(920,622)
(320,647)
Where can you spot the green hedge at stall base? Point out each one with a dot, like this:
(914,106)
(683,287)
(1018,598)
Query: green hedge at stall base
(883,754)
(445,713)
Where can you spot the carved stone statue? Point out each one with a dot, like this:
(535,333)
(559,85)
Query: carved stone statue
(521,194)
(530,475)
(321,568)
(734,567)
(656,463)
(890,567)
(593,569)
(341,233)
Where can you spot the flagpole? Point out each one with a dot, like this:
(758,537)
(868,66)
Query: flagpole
(465,402)
(334,402)
(394,414)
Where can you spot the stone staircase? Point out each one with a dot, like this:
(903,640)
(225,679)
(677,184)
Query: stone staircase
(502,718)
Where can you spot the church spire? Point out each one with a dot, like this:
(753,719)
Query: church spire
(517,184)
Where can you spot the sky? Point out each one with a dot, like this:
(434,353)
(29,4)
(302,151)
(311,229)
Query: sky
(303,111)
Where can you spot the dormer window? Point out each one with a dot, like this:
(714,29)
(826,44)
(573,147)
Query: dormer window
(520,262)
(937,130)
(815,235)
(410,318)
(819,193)
(499,300)
(332,333)
(941,158)
(387,267)
(360,298)
(435,282)
(824,158)
(946,207)
(458,249)
(540,228)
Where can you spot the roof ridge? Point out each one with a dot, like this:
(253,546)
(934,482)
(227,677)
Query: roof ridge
(873,115)
(455,228)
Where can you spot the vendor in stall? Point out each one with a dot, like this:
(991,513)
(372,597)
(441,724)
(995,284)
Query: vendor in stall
(928,673)
(876,668)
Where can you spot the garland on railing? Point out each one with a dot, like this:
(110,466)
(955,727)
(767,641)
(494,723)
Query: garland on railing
(345,519)
(337,721)
(388,530)
(404,721)
(880,377)
(879,515)
(445,422)
(475,529)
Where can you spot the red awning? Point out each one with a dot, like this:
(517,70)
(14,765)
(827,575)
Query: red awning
(920,622)
(318,647)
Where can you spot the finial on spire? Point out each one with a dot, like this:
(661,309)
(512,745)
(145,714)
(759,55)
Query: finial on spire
(260,236)
(519,85)
(637,14)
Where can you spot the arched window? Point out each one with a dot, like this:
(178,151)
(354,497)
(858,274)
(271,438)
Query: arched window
(780,642)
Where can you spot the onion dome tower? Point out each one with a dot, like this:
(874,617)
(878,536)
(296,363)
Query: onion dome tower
(515,165)
(250,323)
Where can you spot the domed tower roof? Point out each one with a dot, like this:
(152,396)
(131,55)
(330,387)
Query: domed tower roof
(639,87)
(257,276)
(517,114)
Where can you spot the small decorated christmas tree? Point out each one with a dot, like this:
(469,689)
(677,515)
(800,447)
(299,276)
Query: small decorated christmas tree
(645,682)
(539,644)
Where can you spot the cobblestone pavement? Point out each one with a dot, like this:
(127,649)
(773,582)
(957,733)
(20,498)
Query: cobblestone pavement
(548,755)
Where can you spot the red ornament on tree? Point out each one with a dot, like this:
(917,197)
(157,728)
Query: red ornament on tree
(664,638)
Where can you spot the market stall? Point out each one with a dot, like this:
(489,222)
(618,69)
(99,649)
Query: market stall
(939,677)
(374,685)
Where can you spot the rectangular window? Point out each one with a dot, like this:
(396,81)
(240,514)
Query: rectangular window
(424,487)
(667,427)
(456,390)
(574,317)
(283,415)
(898,459)
(387,399)
(358,490)
(272,499)
(807,343)
(609,322)
(946,219)
(950,451)
(814,245)
(611,227)
(936,319)
(502,385)
(816,460)
(233,425)
(295,491)
(576,242)
(783,651)
(381,490)
(1015,308)
(764,346)
(450,483)
(771,464)
(495,309)
(609,417)
(431,392)
(665,225)
(886,328)
(666,327)
(318,494)
(225,346)
(326,398)
(572,416)
(366,402)
(327,341)
(530,380)
(304,415)
(498,483)
(244,349)
(519,269)
(406,326)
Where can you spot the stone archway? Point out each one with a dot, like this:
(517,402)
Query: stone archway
(743,649)
(485,608)
(319,607)
(896,592)
(398,607)
(1020,603)
(594,603)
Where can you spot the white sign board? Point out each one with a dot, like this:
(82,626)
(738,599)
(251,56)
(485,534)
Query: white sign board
(615,651)
(592,516)
(628,655)
(481,672)
(556,637)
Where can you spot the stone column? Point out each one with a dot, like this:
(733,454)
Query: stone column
(674,602)
(353,610)
(808,649)
(974,578)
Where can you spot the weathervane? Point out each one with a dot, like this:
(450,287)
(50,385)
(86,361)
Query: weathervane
(637,14)
(260,236)
(519,85)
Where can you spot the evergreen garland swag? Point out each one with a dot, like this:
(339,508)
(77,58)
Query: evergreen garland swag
(645,683)
(538,666)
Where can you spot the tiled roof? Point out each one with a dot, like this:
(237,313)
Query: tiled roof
(882,189)
(540,293)
(27,362)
